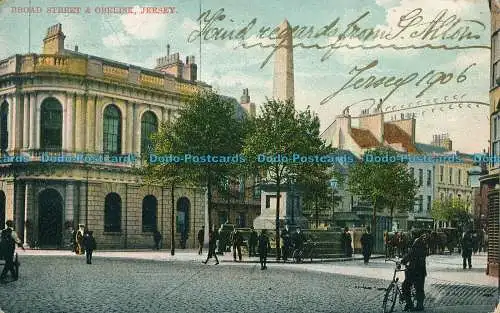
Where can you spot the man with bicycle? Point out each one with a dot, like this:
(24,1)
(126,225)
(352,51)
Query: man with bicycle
(415,273)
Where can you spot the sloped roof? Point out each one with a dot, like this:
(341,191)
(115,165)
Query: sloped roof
(394,134)
(427,148)
(364,138)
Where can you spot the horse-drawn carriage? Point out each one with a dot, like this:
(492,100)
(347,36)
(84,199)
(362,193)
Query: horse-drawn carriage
(444,238)
(396,243)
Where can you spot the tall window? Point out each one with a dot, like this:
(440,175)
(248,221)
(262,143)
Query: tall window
(112,139)
(4,131)
(112,213)
(441,173)
(51,125)
(149,213)
(149,126)
(429,178)
(429,203)
(459,178)
(420,177)
(450,171)
(495,136)
(241,220)
(420,203)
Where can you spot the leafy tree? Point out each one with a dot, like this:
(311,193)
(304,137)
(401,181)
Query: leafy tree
(385,183)
(451,209)
(280,132)
(208,131)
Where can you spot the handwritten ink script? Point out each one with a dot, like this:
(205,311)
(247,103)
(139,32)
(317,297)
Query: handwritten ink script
(425,82)
(413,25)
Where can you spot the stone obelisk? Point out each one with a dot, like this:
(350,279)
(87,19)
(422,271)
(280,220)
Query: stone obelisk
(283,65)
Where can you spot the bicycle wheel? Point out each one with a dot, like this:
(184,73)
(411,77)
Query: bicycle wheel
(390,297)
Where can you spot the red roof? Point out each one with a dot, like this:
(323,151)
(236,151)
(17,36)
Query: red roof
(364,138)
(394,134)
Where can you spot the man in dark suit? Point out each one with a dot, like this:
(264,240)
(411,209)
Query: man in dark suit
(415,273)
(211,247)
(264,247)
(201,239)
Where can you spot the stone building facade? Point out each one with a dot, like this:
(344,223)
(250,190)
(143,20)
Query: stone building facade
(72,130)
(490,183)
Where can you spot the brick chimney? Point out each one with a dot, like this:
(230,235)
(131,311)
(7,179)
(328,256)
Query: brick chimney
(245,103)
(190,69)
(53,43)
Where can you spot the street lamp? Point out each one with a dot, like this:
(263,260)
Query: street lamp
(333,185)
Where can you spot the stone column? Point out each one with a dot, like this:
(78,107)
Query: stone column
(17,129)
(91,123)
(98,124)
(80,123)
(26,120)
(136,135)
(10,122)
(69,124)
(32,122)
(28,208)
(69,212)
(38,116)
(129,120)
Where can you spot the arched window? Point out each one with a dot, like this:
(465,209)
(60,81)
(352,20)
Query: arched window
(112,213)
(149,213)
(149,126)
(112,139)
(183,205)
(4,131)
(51,125)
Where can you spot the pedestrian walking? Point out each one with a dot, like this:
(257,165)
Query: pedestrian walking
(237,241)
(264,248)
(346,242)
(415,273)
(157,239)
(79,239)
(212,239)
(201,239)
(252,242)
(287,243)
(89,244)
(8,241)
(467,247)
(366,245)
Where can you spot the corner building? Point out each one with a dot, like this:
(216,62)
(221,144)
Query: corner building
(63,102)
(490,183)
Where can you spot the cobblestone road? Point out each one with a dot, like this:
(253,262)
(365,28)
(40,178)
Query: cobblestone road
(66,284)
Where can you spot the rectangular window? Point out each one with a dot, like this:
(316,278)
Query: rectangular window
(268,202)
(451,176)
(420,177)
(240,222)
(429,178)
(420,203)
(429,203)
(441,173)
(495,121)
(459,178)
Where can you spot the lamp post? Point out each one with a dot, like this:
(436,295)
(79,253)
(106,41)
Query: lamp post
(333,185)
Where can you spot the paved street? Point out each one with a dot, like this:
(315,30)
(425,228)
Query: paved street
(56,281)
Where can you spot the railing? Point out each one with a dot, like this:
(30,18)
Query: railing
(95,67)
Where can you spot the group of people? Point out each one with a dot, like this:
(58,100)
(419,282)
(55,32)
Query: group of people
(261,241)
(366,244)
(8,241)
(84,242)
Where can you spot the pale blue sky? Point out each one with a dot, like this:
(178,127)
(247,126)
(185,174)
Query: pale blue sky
(140,39)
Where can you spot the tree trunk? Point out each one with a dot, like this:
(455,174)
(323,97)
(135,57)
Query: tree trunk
(317,212)
(172,226)
(277,238)
(374,223)
(209,199)
(392,219)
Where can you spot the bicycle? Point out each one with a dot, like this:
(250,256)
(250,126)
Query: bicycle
(307,252)
(394,290)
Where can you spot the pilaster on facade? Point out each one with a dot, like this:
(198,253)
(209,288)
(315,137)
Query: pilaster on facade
(26,120)
(80,123)
(33,130)
(69,123)
(130,121)
(90,123)
(28,214)
(10,123)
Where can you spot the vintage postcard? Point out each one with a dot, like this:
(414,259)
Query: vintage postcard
(259,156)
